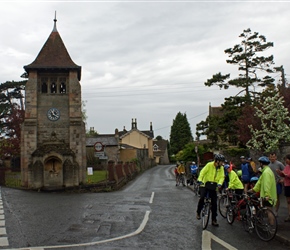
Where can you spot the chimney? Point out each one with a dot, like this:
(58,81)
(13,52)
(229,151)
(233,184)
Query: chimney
(151,127)
(134,123)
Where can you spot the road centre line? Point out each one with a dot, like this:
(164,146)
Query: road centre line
(151,198)
(139,230)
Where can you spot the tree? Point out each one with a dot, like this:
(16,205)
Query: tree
(180,133)
(211,128)
(159,138)
(274,119)
(11,117)
(247,56)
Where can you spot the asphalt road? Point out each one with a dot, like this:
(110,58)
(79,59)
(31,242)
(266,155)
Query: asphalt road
(149,213)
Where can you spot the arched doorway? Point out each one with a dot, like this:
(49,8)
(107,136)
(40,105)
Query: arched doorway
(53,172)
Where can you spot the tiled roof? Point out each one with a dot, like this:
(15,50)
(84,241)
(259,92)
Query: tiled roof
(105,140)
(53,55)
(147,133)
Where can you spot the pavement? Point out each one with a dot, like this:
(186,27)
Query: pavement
(283,231)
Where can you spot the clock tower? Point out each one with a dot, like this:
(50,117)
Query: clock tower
(53,151)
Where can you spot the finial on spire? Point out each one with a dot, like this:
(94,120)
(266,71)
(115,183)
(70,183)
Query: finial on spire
(54,26)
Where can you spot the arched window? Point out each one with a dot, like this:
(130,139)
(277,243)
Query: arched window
(53,87)
(44,85)
(62,86)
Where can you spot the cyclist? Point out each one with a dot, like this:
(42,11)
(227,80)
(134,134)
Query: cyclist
(181,171)
(234,181)
(266,184)
(193,172)
(211,172)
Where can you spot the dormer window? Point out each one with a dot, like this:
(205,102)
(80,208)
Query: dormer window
(155,147)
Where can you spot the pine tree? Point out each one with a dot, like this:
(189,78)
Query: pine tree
(180,133)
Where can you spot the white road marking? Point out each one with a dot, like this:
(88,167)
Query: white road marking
(3,237)
(208,236)
(151,198)
(139,230)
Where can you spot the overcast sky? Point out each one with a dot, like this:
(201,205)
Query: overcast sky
(143,59)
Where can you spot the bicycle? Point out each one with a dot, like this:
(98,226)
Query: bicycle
(224,200)
(205,212)
(236,208)
(180,179)
(261,218)
(194,183)
(255,216)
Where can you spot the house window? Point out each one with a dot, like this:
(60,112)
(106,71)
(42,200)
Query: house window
(155,147)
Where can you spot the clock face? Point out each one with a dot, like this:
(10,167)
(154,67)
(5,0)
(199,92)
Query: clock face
(53,114)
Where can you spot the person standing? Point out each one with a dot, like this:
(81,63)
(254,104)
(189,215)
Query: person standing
(247,172)
(274,165)
(211,172)
(286,175)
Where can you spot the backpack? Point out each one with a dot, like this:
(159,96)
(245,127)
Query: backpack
(247,172)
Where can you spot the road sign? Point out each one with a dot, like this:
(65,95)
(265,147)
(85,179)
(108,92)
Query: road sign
(98,146)
(103,157)
(100,154)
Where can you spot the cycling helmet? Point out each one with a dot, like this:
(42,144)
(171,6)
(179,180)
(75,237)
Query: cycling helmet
(242,157)
(264,160)
(219,157)
(254,179)
(239,172)
(226,166)
(193,162)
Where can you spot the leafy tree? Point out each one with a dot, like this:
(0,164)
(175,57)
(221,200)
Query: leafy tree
(159,138)
(11,117)
(180,133)
(10,143)
(188,153)
(274,119)
(247,117)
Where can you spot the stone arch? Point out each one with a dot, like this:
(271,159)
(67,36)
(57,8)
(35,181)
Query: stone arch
(53,172)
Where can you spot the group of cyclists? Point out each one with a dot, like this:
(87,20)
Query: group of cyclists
(218,174)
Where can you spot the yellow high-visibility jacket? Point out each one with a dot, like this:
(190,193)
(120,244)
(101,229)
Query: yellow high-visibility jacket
(212,174)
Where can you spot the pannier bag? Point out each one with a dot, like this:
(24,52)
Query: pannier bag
(211,185)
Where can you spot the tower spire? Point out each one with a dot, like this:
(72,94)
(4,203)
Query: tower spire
(54,26)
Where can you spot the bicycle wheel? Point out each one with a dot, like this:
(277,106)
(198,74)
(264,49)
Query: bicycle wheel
(231,215)
(266,224)
(205,213)
(196,188)
(247,220)
(222,204)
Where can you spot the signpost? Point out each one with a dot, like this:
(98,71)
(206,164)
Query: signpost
(100,154)
(98,146)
